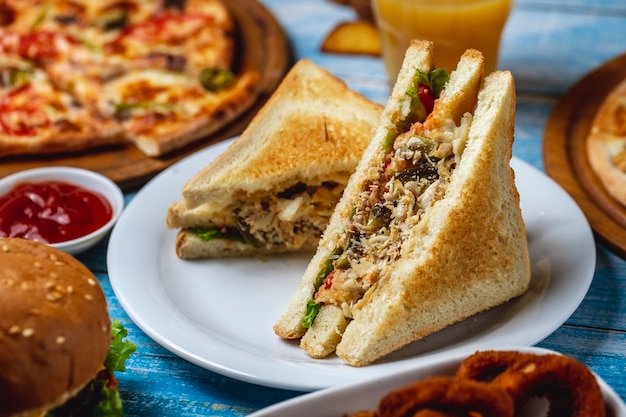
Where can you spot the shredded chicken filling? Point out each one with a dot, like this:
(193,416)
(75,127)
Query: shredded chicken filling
(412,177)
(289,218)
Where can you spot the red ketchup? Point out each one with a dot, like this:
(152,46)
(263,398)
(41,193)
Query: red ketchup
(52,211)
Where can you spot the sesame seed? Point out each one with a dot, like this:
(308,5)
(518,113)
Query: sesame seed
(14,329)
(28,332)
(54,275)
(59,263)
(92,282)
(9,282)
(69,289)
(24,285)
(49,284)
(37,264)
(60,340)
(5,248)
(54,296)
(88,297)
(53,257)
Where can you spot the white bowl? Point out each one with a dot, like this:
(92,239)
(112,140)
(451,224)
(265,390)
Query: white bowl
(77,176)
(347,399)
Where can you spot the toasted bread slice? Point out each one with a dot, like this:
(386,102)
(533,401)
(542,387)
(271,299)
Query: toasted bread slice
(273,190)
(462,248)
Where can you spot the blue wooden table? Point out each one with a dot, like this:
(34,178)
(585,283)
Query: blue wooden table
(548,45)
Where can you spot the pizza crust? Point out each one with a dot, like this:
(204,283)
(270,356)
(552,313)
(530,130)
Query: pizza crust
(52,143)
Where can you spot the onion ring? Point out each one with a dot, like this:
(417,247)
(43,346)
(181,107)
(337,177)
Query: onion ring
(484,366)
(500,383)
(447,395)
(431,413)
(568,385)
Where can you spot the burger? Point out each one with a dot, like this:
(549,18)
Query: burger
(58,347)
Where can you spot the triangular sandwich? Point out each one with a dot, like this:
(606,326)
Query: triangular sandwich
(274,189)
(429,230)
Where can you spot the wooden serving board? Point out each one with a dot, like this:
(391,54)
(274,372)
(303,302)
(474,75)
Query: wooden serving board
(565,152)
(261,45)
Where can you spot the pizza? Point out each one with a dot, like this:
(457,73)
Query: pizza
(82,74)
(606,143)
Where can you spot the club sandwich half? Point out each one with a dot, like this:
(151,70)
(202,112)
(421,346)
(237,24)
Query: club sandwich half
(429,229)
(274,189)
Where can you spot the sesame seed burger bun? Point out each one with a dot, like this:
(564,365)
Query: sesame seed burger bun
(54,327)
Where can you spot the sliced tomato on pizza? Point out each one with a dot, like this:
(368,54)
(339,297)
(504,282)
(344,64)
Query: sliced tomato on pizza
(187,40)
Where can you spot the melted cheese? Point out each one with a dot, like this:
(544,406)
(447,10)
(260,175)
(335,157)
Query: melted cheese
(160,91)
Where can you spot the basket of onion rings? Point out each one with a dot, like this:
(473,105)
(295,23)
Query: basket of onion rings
(516,382)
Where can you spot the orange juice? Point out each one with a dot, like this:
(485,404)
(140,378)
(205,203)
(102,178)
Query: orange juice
(453,26)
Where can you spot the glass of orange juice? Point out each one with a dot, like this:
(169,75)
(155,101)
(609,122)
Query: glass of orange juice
(453,26)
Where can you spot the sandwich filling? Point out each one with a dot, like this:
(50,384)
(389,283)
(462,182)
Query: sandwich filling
(292,218)
(412,174)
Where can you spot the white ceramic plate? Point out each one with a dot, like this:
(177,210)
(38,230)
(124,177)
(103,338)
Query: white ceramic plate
(349,399)
(219,314)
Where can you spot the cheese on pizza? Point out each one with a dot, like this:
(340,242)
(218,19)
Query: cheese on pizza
(606,143)
(35,117)
(160,103)
(138,66)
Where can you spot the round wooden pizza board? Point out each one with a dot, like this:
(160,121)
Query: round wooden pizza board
(565,152)
(262,45)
